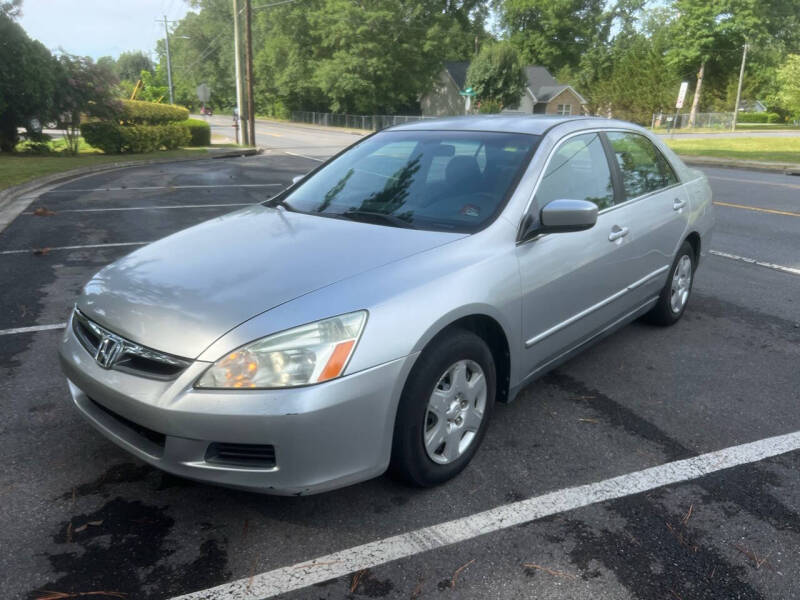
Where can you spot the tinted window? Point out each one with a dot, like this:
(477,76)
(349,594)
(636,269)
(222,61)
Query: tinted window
(443,180)
(644,168)
(578,171)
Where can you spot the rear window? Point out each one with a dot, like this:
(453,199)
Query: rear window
(438,180)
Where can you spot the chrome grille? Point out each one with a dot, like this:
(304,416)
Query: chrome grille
(115,352)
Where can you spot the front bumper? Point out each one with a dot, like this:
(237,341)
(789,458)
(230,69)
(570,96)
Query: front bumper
(324,436)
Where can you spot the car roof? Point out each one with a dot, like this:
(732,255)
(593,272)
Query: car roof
(533,124)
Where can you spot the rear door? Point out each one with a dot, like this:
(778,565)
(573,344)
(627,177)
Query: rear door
(654,207)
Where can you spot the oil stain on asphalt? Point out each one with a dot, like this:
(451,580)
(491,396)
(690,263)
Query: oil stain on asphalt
(124,547)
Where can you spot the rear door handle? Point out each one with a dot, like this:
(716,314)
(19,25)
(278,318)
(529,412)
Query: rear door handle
(617,233)
(678,204)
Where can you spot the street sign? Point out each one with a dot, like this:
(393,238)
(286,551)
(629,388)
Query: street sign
(682,94)
(203,93)
(469,92)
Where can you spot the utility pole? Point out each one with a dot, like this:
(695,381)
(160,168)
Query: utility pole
(739,89)
(241,122)
(251,112)
(169,65)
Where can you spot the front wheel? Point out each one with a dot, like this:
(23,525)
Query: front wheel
(444,410)
(675,294)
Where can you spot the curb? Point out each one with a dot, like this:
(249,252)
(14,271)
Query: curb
(13,201)
(750,165)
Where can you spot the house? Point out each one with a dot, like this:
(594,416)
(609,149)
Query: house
(542,95)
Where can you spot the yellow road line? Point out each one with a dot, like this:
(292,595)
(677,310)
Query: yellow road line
(756,181)
(764,210)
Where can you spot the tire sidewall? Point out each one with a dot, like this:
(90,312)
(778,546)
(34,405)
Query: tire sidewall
(410,459)
(685,250)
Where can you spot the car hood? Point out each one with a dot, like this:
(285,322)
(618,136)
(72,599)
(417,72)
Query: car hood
(179,294)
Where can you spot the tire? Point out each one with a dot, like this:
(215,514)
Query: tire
(438,404)
(670,308)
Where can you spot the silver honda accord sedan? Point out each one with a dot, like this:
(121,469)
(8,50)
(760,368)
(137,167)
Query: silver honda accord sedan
(369,317)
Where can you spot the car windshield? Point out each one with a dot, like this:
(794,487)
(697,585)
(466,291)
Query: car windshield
(437,180)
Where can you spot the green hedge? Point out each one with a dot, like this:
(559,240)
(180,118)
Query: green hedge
(113,138)
(758,117)
(199,130)
(137,112)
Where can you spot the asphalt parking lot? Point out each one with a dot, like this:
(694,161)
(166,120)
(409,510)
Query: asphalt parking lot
(81,516)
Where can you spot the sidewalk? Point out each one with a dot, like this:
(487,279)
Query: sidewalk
(753,165)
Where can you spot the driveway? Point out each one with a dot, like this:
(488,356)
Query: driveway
(81,516)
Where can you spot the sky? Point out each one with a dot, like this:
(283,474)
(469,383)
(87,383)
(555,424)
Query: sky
(99,27)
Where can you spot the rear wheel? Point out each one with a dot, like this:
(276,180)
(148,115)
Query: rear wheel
(444,410)
(675,295)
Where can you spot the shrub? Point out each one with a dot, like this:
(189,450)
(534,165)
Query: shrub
(199,130)
(113,138)
(758,117)
(34,147)
(137,112)
(104,135)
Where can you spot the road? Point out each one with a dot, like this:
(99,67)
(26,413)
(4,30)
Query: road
(294,138)
(81,515)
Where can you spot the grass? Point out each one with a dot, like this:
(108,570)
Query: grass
(765,149)
(19,168)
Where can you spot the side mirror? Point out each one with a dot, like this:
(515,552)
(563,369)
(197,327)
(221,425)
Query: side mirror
(297,178)
(560,216)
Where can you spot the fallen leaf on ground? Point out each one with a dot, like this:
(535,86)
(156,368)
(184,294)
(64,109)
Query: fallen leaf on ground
(41,251)
(554,572)
(51,595)
(43,212)
(458,571)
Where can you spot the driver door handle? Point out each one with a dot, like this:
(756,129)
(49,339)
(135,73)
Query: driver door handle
(617,233)
(678,204)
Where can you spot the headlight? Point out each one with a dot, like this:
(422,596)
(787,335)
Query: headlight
(307,354)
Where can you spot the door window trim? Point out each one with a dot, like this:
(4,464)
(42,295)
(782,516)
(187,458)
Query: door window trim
(613,167)
(546,165)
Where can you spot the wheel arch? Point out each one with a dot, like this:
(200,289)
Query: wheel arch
(492,332)
(694,241)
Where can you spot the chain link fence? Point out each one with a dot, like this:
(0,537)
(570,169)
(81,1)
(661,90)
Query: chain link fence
(711,120)
(368,122)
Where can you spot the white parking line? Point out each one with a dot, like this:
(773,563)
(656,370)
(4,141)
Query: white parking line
(753,261)
(32,329)
(118,208)
(46,250)
(338,564)
(167,187)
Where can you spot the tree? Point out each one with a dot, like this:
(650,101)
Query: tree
(497,75)
(84,88)
(129,65)
(710,34)
(552,33)
(788,76)
(27,82)
(11,8)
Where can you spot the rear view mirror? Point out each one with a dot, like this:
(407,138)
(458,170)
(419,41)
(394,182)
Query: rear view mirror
(296,179)
(560,216)
(568,215)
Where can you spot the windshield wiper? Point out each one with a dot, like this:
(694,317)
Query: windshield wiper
(278,200)
(379,218)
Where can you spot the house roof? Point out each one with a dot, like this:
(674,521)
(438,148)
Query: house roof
(540,83)
(458,71)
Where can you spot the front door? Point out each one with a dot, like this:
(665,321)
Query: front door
(572,282)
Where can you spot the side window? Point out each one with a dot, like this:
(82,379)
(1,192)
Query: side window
(578,171)
(644,168)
